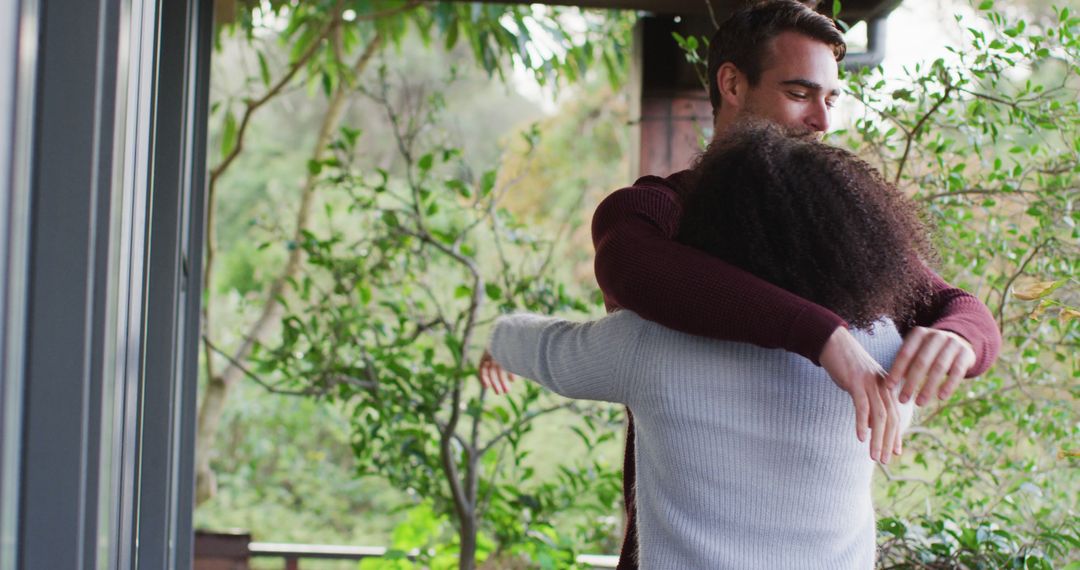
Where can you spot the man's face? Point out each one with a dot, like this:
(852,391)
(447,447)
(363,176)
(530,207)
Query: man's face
(799,84)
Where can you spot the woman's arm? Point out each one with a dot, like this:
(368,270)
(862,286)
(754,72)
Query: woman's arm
(576,360)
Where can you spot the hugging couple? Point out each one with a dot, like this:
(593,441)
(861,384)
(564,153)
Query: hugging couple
(756,301)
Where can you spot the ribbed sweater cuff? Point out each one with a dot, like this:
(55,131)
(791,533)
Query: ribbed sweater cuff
(809,331)
(986,350)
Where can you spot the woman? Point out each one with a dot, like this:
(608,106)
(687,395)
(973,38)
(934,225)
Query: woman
(745,458)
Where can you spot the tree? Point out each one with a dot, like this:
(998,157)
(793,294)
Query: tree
(989,141)
(330,44)
(387,322)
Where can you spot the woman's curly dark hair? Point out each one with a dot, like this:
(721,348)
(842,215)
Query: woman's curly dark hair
(811,218)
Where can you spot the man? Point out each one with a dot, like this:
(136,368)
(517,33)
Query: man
(776,60)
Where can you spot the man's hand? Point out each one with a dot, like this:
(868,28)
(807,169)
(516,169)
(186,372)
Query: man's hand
(858,374)
(927,357)
(492,375)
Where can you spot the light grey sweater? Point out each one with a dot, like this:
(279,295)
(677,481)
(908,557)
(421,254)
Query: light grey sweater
(746,457)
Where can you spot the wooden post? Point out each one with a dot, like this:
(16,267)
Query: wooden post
(222,550)
(672,105)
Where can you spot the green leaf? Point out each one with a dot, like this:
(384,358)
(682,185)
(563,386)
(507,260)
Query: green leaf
(425,162)
(264,69)
(986,5)
(228,134)
(487,183)
(462,292)
(351,134)
(836,8)
(314,167)
(459,187)
(494,292)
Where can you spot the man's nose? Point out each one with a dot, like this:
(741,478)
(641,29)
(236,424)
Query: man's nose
(818,117)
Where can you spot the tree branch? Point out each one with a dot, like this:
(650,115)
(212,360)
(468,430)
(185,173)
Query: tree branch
(891,477)
(975,191)
(274,390)
(1012,279)
(211,405)
(521,422)
(368,16)
(915,132)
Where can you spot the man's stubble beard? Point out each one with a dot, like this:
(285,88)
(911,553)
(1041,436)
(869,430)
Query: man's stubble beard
(752,112)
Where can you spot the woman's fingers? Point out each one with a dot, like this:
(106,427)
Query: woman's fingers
(492,376)
(878,421)
(888,446)
(485,375)
(488,372)
(862,413)
(503,382)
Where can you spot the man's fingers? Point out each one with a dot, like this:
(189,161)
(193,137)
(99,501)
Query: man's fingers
(938,372)
(956,374)
(916,375)
(907,352)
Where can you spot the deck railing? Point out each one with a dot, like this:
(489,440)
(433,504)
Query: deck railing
(232,551)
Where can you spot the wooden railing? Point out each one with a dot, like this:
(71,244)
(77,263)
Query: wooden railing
(293,553)
(232,551)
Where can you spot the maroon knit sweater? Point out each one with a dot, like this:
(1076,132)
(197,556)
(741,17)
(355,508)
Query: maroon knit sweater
(641,267)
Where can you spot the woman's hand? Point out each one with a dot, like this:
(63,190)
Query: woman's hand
(876,407)
(492,375)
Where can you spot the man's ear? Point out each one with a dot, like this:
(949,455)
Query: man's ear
(732,85)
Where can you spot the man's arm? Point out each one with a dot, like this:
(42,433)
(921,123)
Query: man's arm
(640,267)
(576,360)
(955,337)
(955,310)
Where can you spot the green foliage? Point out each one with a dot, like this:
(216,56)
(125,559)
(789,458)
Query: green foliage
(988,139)
(287,474)
(323,45)
(388,322)
(498,35)
(945,542)
(411,262)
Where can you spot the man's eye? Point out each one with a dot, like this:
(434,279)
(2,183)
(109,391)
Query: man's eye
(830,103)
(798,94)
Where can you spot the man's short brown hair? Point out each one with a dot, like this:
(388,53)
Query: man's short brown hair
(744,38)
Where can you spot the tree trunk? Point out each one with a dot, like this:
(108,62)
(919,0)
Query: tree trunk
(467,557)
